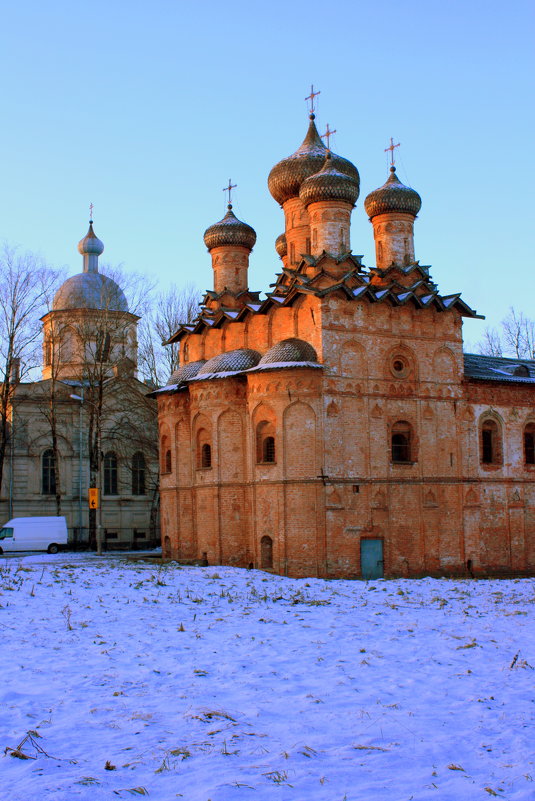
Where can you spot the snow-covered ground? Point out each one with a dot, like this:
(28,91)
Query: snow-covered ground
(231,685)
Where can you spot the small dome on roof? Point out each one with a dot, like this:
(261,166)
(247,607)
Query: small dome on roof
(185,372)
(290,350)
(391,197)
(230,231)
(90,243)
(90,291)
(286,177)
(231,362)
(281,246)
(330,184)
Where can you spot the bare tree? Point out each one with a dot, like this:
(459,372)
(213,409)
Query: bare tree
(169,310)
(516,338)
(25,285)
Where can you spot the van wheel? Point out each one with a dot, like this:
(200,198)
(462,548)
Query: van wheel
(53,548)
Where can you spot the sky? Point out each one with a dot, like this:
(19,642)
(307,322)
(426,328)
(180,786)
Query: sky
(147,109)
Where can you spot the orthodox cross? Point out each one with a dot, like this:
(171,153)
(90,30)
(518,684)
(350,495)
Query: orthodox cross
(391,148)
(311,97)
(229,189)
(327,135)
(91,207)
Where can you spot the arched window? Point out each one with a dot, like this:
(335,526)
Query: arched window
(168,461)
(265,443)
(491,442)
(48,473)
(529,443)
(402,442)
(138,474)
(206,455)
(110,473)
(103,346)
(266,553)
(165,455)
(204,450)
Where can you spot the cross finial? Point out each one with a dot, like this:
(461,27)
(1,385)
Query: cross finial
(327,135)
(391,148)
(229,189)
(91,207)
(311,97)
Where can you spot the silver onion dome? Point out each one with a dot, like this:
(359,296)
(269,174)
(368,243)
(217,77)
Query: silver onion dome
(90,243)
(286,177)
(230,231)
(330,184)
(393,196)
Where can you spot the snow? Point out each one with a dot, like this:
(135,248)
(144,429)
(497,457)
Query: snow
(232,685)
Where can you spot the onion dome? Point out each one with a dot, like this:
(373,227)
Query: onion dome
(393,196)
(281,245)
(231,362)
(185,372)
(286,177)
(90,243)
(90,291)
(289,350)
(230,231)
(330,184)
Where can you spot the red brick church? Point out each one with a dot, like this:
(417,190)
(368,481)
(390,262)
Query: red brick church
(335,428)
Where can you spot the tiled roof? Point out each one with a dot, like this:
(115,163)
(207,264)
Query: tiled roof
(498,368)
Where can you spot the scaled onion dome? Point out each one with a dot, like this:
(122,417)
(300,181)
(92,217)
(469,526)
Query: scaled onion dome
(90,289)
(289,350)
(329,184)
(286,177)
(393,196)
(232,361)
(281,246)
(230,231)
(185,372)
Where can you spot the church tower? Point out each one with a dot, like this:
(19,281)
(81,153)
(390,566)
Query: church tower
(89,322)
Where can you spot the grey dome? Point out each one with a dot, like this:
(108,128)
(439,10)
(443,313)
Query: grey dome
(281,245)
(393,196)
(90,243)
(185,372)
(90,291)
(330,184)
(230,231)
(286,177)
(231,362)
(290,350)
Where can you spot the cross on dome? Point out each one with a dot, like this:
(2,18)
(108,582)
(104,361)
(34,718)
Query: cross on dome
(91,207)
(229,189)
(311,97)
(327,135)
(391,148)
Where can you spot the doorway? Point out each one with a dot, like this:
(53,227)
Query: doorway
(371,559)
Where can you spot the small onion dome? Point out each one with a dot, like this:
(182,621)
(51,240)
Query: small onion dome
(286,177)
(185,372)
(231,362)
(281,246)
(289,350)
(330,184)
(90,243)
(90,291)
(230,231)
(391,197)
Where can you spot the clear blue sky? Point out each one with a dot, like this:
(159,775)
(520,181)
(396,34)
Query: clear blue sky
(147,108)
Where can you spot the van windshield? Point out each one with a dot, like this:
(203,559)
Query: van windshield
(5,532)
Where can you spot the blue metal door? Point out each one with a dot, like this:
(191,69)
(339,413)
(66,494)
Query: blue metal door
(371,559)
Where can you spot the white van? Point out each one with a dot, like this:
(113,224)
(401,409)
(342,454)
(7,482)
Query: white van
(33,534)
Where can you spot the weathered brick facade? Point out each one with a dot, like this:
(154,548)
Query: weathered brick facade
(340,424)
